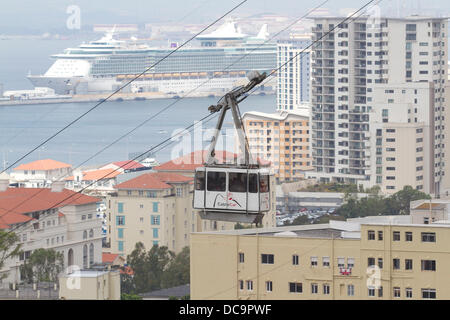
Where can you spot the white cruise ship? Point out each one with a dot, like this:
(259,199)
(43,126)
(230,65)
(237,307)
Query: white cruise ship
(104,65)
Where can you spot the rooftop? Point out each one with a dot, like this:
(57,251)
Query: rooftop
(349,229)
(280,115)
(128,164)
(179,291)
(194,160)
(153,180)
(109,257)
(16,202)
(43,165)
(95,175)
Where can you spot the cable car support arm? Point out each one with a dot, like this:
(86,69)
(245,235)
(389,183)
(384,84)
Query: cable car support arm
(230,101)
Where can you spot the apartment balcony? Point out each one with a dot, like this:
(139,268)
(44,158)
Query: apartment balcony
(360,100)
(317,64)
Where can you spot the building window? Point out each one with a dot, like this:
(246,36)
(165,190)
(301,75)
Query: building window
(249,285)
(380,291)
(428,293)
(84,234)
(371,292)
(91,254)
(408,264)
(350,290)
(155,206)
(326,288)
(326,261)
(396,292)
(120,233)
(155,232)
(269,286)
(396,236)
(428,237)
(314,288)
(267,259)
(380,263)
(295,287)
(380,235)
(396,264)
(371,235)
(85,256)
(155,220)
(241,257)
(314,261)
(151,194)
(408,293)
(120,220)
(350,262)
(341,262)
(428,265)
(295,261)
(241,284)
(408,236)
(370,262)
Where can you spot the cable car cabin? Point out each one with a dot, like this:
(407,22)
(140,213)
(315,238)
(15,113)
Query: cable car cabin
(232,194)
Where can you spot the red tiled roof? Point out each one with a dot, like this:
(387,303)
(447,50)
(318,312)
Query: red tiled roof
(194,160)
(154,180)
(126,166)
(109,257)
(95,175)
(15,202)
(47,164)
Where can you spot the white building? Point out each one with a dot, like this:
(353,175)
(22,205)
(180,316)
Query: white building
(348,64)
(47,218)
(293,87)
(40,173)
(402,136)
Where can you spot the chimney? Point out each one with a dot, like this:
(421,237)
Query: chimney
(58,186)
(4,184)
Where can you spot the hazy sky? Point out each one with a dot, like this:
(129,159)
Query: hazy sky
(49,15)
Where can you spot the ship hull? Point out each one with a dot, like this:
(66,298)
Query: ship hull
(61,85)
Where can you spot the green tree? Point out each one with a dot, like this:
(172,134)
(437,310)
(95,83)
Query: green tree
(8,248)
(148,267)
(43,265)
(299,221)
(406,195)
(375,204)
(178,271)
(125,296)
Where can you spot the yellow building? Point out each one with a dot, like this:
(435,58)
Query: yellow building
(153,208)
(381,258)
(90,285)
(282,138)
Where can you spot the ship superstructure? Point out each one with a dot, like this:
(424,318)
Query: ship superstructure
(224,56)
